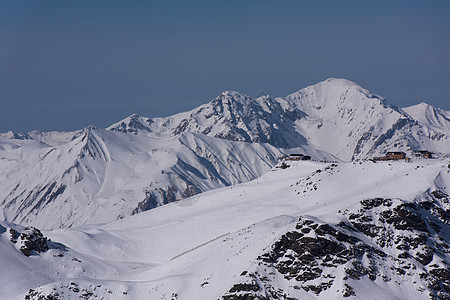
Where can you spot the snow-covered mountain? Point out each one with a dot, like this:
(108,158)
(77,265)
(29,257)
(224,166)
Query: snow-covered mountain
(232,116)
(336,116)
(103,175)
(234,226)
(63,179)
(360,230)
(429,116)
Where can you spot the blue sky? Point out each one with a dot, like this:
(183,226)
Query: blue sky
(65,65)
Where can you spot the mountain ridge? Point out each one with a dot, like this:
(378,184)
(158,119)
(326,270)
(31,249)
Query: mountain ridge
(296,120)
(336,115)
(139,163)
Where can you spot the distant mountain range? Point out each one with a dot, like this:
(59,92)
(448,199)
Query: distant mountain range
(63,179)
(336,116)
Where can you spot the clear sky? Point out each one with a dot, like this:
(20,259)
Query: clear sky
(68,64)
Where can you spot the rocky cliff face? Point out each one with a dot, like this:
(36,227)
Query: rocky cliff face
(381,240)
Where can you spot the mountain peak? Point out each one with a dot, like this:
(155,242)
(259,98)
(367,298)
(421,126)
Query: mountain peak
(17,136)
(332,94)
(90,127)
(421,108)
(233,96)
(428,114)
(343,84)
(133,124)
(262,94)
(338,81)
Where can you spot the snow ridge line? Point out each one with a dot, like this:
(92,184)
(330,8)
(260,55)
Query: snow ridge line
(201,245)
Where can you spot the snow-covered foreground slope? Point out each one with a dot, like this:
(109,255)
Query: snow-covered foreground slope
(314,230)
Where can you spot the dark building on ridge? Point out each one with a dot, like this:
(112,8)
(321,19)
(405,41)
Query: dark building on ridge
(395,155)
(423,153)
(298,157)
(392,155)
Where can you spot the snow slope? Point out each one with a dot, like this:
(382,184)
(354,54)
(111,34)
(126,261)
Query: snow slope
(104,175)
(312,231)
(430,115)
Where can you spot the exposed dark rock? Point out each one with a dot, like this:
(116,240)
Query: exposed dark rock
(309,255)
(32,240)
(407,218)
(307,258)
(375,202)
(245,287)
(348,291)
(439,195)
(253,290)
(157,197)
(425,257)
(35,295)
(181,127)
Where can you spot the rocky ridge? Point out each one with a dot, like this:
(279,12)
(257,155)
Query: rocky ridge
(383,240)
